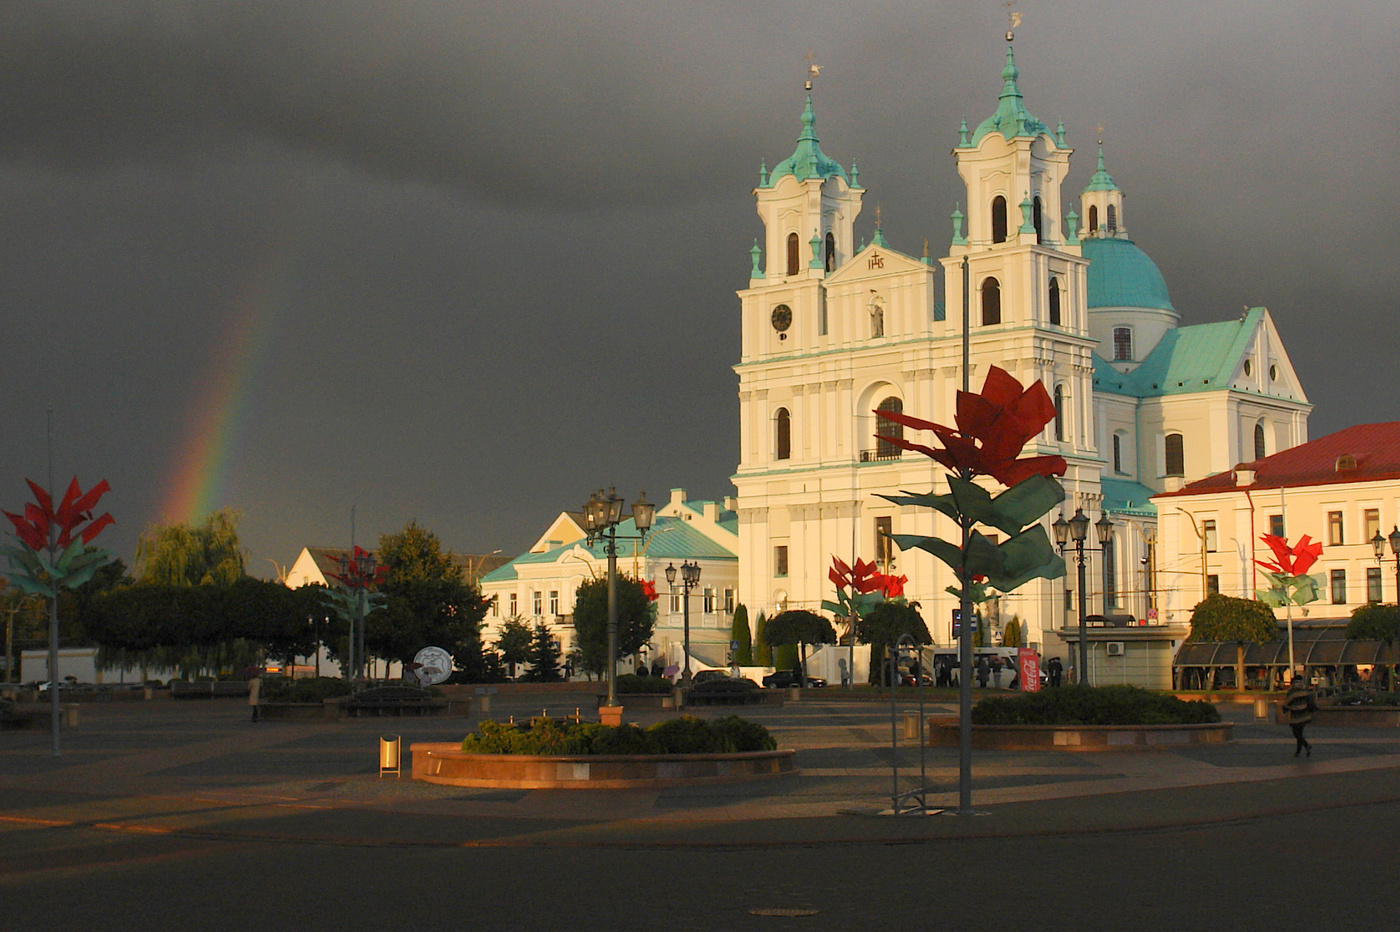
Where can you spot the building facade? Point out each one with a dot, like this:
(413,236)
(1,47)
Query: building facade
(833,329)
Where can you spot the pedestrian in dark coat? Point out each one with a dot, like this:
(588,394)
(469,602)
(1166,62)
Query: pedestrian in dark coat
(983,669)
(1299,705)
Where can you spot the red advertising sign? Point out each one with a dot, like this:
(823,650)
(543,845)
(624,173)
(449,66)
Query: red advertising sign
(1028,663)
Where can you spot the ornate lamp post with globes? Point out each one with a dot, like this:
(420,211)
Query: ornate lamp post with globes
(690,575)
(1378,543)
(1075,530)
(601,516)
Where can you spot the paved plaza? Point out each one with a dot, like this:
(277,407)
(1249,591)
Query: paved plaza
(186,814)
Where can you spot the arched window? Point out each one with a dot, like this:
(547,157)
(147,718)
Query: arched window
(998,219)
(1122,344)
(792,254)
(1054,301)
(784,434)
(1060,413)
(884,450)
(1175,455)
(991,302)
(1112,217)
(1093,218)
(830,252)
(1118,453)
(1035,218)
(1259,452)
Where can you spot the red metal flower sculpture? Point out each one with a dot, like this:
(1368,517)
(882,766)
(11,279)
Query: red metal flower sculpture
(649,589)
(992,429)
(360,571)
(866,584)
(54,553)
(1289,571)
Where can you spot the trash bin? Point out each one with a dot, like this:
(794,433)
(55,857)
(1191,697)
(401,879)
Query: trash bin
(911,724)
(1261,710)
(389,755)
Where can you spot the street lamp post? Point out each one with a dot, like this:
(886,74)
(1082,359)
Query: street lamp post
(690,575)
(1075,530)
(1378,543)
(601,516)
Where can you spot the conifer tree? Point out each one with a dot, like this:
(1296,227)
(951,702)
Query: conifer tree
(763,651)
(739,633)
(544,655)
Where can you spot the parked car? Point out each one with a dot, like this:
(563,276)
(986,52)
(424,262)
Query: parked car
(704,676)
(784,679)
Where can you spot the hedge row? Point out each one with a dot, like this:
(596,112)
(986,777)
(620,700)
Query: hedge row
(684,735)
(633,685)
(1093,705)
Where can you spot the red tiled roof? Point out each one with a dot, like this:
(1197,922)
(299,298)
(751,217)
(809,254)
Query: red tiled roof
(1374,448)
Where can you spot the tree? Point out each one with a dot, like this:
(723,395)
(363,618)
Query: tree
(1013,636)
(1375,622)
(636,620)
(801,627)
(1224,618)
(513,643)
(763,651)
(883,626)
(192,555)
(544,656)
(428,603)
(739,632)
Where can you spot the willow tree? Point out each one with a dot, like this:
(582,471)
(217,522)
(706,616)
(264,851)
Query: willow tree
(201,554)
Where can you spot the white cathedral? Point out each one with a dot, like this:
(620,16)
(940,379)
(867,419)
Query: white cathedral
(833,330)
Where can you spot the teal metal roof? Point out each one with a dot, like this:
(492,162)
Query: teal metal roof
(1202,358)
(1101,180)
(807,160)
(668,539)
(1121,275)
(1011,118)
(1124,497)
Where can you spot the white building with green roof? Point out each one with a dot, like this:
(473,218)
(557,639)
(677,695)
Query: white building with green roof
(539,586)
(832,329)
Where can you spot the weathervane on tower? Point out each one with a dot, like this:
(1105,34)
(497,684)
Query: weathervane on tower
(813,69)
(1013,19)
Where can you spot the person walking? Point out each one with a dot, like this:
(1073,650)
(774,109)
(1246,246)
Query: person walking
(1299,705)
(983,669)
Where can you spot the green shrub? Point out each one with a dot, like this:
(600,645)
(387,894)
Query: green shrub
(743,735)
(1367,697)
(311,689)
(553,736)
(1093,705)
(631,684)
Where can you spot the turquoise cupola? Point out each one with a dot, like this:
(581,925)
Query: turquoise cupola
(807,160)
(1011,118)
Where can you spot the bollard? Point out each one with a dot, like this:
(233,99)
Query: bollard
(794,693)
(389,755)
(70,715)
(1261,710)
(911,724)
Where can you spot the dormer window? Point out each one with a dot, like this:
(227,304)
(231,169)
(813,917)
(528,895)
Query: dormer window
(998,219)
(793,254)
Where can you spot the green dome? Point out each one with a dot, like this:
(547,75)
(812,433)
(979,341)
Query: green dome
(1121,275)
(808,160)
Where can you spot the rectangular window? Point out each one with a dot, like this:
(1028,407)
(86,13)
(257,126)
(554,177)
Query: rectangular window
(1339,587)
(675,602)
(554,602)
(1373,584)
(495,607)
(514,605)
(1174,455)
(1208,530)
(729,601)
(1122,344)
(1110,576)
(1118,453)
(1276,525)
(1334,528)
(1371,518)
(537,602)
(1212,584)
(884,546)
(709,601)
(780,567)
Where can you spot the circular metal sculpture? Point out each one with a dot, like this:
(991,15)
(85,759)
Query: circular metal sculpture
(434,665)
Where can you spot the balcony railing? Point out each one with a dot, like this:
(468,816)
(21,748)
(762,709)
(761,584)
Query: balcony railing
(879,456)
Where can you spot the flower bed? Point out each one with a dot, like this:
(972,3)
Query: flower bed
(560,754)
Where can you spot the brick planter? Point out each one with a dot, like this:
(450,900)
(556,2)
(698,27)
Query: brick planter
(447,764)
(1342,716)
(944,733)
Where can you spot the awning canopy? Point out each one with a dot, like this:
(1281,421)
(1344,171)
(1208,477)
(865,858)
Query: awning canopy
(1313,647)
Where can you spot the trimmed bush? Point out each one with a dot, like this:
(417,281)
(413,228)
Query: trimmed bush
(684,735)
(1093,705)
(1355,697)
(311,689)
(633,685)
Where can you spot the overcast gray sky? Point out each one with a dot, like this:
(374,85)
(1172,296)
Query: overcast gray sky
(463,262)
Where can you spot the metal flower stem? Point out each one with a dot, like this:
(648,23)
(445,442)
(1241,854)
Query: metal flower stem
(965,605)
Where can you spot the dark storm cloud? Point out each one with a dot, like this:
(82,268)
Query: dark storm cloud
(495,244)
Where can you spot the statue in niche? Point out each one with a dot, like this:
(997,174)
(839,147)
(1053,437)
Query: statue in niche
(877,314)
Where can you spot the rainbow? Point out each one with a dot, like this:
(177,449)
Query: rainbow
(198,484)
